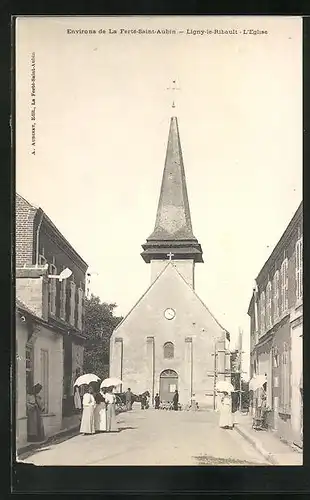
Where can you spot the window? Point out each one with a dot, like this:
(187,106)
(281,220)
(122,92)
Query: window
(298,268)
(63,299)
(44,379)
(262,313)
(276,357)
(276,295)
(284,286)
(80,307)
(52,286)
(168,350)
(285,380)
(268,306)
(72,302)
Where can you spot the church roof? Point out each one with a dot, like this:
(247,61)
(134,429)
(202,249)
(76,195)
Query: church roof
(173,220)
(170,263)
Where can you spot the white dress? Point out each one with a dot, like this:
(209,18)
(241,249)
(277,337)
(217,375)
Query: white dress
(111,417)
(225,413)
(88,420)
(101,417)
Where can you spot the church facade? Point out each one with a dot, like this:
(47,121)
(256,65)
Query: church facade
(170,340)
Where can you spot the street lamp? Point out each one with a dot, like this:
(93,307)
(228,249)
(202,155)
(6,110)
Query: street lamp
(66,273)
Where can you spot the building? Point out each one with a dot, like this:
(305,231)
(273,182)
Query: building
(276,312)
(52,308)
(39,351)
(170,340)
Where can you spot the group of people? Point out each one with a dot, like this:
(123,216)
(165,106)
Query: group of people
(174,404)
(98,413)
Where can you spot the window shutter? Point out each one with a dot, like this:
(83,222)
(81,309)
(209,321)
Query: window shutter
(268,306)
(63,299)
(298,268)
(72,302)
(284,286)
(276,295)
(262,313)
(301,270)
(80,308)
(52,290)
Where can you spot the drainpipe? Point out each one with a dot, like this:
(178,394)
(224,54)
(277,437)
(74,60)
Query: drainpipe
(37,238)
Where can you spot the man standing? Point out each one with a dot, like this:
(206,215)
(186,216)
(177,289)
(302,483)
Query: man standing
(128,396)
(176,400)
(157,401)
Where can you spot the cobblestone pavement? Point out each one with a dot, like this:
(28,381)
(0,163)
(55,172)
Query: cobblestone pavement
(154,437)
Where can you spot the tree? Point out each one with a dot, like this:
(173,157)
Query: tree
(99,324)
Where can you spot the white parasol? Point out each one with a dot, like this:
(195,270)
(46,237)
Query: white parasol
(86,379)
(224,386)
(257,382)
(111,382)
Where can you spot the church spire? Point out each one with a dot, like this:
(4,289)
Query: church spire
(173,227)
(173,220)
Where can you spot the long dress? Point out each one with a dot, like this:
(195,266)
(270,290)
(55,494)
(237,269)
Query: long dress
(176,401)
(225,413)
(100,414)
(35,427)
(111,416)
(88,420)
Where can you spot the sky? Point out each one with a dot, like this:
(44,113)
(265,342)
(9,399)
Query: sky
(102,112)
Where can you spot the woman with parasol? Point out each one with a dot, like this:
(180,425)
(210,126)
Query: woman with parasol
(225,389)
(110,400)
(88,402)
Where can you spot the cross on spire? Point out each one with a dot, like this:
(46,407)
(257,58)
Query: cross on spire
(170,255)
(173,88)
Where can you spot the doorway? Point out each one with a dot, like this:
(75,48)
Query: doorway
(168,383)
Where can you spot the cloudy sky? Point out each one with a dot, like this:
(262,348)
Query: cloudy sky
(102,118)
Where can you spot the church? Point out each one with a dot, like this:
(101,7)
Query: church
(170,340)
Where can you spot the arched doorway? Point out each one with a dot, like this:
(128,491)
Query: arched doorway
(168,383)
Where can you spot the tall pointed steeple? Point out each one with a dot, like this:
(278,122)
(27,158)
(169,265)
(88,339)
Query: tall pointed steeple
(173,231)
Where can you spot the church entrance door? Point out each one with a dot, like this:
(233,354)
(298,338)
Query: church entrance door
(168,384)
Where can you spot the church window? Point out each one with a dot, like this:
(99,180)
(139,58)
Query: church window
(168,350)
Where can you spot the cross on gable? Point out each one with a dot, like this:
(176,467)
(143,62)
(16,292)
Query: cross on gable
(170,255)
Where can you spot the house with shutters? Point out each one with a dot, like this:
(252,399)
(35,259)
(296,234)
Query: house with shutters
(49,315)
(276,344)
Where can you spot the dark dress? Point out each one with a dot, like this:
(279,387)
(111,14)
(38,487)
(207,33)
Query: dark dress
(157,402)
(176,401)
(35,428)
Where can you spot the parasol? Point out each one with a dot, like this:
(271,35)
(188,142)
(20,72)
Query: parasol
(224,386)
(110,382)
(86,379)
(257,382)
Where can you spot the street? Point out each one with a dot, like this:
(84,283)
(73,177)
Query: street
(153,437)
